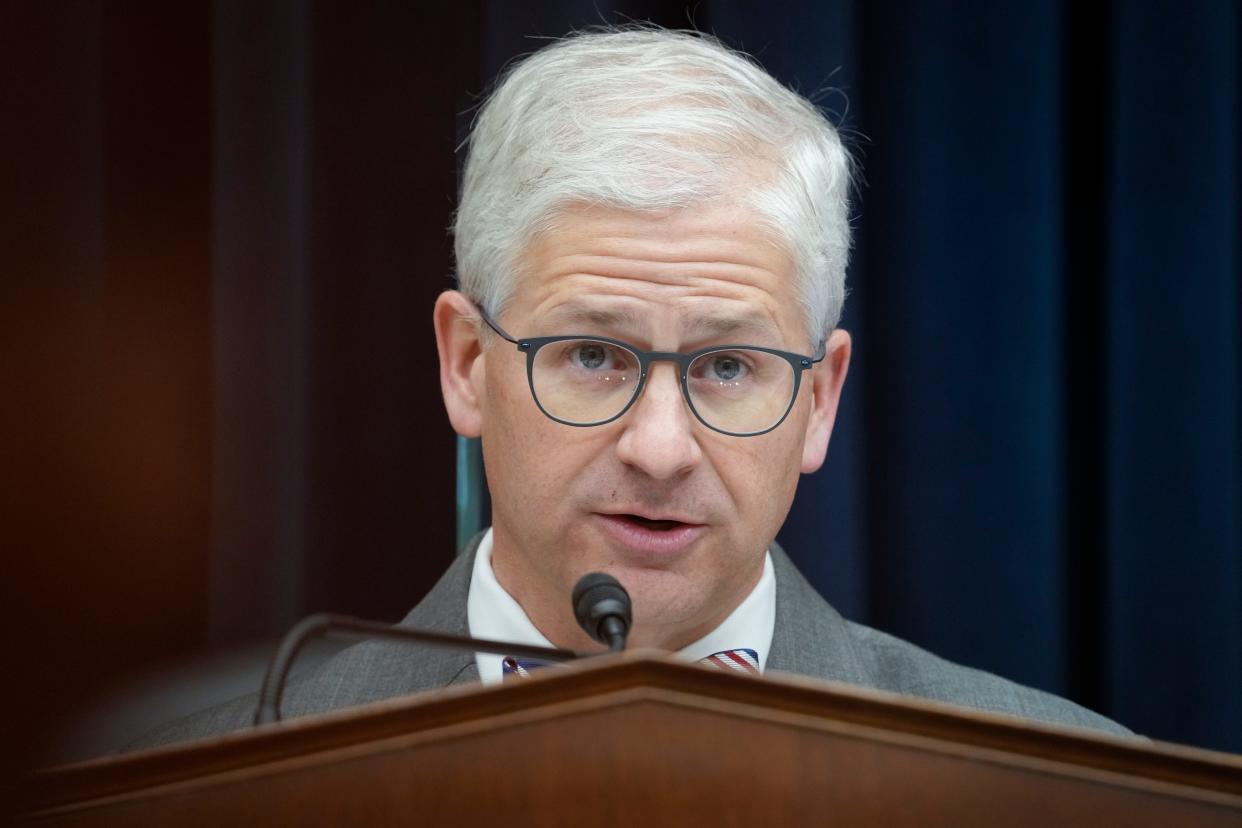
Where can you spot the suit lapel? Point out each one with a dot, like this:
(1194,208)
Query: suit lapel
(378,669)
(444,609)
(810,638)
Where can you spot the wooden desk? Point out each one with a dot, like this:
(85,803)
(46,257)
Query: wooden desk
(637,740)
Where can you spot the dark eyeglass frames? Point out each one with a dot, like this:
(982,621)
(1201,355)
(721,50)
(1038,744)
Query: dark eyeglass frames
(581,380)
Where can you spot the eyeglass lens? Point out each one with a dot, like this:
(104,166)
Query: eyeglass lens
(584,381)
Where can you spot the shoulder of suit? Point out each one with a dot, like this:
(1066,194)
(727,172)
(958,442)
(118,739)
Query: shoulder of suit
(901,667)
(363,673)
(885,662)
(331,684)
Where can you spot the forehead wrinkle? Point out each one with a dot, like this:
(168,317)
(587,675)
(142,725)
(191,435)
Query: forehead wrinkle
(719,250)
(700,308)
(659,271)
(608,292)
(644,248)
(691,322)
(663,274)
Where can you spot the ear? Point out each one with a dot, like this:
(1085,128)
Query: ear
(461,361)
(827,379)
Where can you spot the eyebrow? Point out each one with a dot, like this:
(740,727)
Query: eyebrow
(722,325)
(596,317)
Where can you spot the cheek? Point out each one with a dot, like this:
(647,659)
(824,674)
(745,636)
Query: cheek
(531,461)
(507,434)
(761,475)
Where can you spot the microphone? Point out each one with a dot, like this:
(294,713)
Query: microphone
(343,625)
(602,607)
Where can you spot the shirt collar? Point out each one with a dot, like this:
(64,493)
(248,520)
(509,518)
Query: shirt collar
(493,613)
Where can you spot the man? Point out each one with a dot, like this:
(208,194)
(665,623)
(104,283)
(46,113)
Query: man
(651,248)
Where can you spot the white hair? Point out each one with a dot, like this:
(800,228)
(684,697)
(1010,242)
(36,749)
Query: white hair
(648,119)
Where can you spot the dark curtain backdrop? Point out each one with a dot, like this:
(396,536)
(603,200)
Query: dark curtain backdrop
(228,223)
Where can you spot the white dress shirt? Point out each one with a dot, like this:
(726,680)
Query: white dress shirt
(491,612)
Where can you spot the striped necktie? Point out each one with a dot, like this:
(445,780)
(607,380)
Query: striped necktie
(743,661)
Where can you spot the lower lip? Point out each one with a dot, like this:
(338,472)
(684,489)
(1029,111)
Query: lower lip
(638,538)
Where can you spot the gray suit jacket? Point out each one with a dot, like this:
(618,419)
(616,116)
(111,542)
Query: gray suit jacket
(810,639)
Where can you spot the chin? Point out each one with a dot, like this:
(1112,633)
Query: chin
(662,600)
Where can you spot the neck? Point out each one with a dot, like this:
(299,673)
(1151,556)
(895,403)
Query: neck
(552,615)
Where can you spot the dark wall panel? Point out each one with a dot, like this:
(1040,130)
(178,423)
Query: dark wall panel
(379,500)
(335,180)
(106,352)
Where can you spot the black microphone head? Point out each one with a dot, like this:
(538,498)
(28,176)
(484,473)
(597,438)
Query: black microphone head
(602,608)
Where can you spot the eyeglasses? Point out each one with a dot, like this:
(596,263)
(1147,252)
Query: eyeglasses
(740,390)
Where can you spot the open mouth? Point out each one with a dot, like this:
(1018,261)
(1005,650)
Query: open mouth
(650,538)
(655,525)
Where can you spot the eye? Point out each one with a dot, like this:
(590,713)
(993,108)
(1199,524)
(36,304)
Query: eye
(589,355)
(725,368)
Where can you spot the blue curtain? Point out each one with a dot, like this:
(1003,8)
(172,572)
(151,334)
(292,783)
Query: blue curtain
(1037,467)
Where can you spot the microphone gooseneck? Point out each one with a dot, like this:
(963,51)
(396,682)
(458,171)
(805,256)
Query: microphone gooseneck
(601,605)
(602,608)
(343,625)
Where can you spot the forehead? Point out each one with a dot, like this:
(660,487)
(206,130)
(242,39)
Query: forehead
(705,270)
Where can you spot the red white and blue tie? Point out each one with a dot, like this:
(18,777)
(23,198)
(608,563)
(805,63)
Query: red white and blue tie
(743,661)
(511,666)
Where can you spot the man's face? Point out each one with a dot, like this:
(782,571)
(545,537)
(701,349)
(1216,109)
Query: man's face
(570,500)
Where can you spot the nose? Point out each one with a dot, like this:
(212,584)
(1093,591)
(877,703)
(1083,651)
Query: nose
(659,429)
